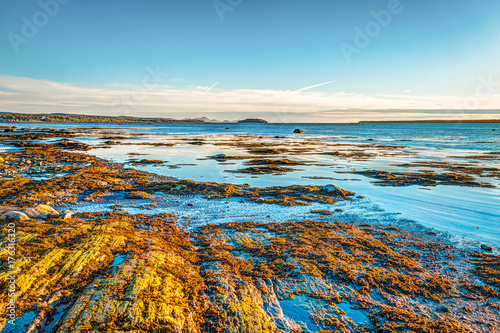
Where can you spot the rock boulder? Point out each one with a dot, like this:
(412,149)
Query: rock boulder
(14,216)
(67,214)
(41,211)
(336,191)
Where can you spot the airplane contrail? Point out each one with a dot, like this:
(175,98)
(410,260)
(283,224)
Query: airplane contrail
(208,89)
(316,85)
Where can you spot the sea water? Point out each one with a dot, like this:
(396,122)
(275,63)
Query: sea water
(466,212)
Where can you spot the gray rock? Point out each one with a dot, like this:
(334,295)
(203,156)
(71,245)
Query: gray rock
(336,191)
(14,216)
(67,214)
(41,211)
(486,248)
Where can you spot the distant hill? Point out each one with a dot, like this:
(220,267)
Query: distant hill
(252,120)
(79,118)
(9,117)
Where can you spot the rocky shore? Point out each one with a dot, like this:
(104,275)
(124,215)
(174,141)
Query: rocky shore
(113,271)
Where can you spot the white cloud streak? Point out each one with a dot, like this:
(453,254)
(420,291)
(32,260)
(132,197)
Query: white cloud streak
(315,86)
(210,88)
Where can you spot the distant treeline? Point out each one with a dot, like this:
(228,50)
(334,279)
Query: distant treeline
(77,118)
(438,121)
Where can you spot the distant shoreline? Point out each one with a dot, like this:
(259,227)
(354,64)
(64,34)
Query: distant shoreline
(2,121)
(439,121)
(9,117)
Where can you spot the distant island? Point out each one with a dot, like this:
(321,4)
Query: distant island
(437,121)
(252,120)
(9,117)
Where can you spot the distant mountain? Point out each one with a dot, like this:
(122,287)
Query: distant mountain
(204,120)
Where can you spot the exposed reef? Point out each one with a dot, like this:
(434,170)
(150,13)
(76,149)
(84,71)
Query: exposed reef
(424,178)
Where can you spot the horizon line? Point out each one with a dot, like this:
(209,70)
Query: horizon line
(216,121)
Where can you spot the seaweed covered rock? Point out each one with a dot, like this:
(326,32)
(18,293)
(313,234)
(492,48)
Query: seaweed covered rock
(139,195)
(113,272)
(424,178)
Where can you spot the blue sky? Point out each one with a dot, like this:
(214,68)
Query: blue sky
(94,56)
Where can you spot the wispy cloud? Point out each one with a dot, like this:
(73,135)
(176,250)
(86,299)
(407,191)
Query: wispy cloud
(210,88)
(314,86)
(19,94)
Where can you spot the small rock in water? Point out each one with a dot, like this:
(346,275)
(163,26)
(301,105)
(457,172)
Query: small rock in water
(67,214)
(443,309)
(336,191)
(190,204)
(298,130)
(219,156)
(486,247)
(14,216)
